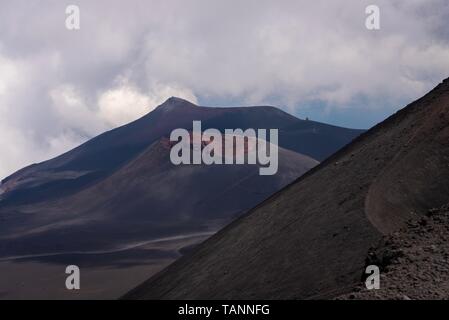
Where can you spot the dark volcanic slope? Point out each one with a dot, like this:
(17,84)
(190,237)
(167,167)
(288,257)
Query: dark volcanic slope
(310,240)
(149,198)
(118,203)
(121,187)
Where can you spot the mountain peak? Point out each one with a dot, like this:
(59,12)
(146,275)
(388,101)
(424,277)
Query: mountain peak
(443,85)
(175,102)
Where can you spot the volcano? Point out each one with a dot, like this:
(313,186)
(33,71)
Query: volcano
(117,207)
(311,239)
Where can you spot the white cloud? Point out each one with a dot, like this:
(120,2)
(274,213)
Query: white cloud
(121,105)
(73,113)
(125,103)
(59,87)
(8,75)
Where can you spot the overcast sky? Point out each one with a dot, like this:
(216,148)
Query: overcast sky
(59,88)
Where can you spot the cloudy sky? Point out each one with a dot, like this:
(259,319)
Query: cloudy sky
(59,88)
